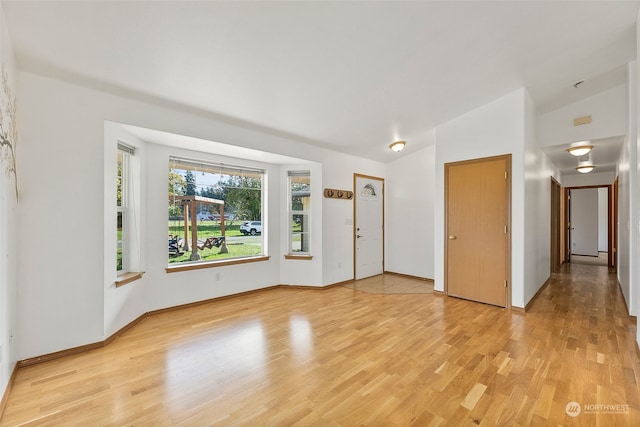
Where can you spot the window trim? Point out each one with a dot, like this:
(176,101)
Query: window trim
(217,167)
(290,214)
(197,265)
(124,151)
(130,238)
(128,277)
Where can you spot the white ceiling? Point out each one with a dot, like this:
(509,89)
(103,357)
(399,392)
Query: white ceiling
(605,154)
(350,76)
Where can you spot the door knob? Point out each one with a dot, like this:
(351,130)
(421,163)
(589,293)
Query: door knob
(358,236)
(452,237)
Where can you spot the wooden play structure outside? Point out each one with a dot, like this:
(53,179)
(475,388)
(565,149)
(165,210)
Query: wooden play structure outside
(190,204)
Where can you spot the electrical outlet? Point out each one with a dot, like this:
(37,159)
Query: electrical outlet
(217,277)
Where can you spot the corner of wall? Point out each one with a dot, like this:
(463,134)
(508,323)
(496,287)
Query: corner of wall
(8,207)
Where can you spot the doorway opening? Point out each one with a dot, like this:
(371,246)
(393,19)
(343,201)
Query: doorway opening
(589,225)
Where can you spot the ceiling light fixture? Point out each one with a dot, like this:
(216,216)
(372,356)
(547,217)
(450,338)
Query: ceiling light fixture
(580,150)
(585,168)
(397,146)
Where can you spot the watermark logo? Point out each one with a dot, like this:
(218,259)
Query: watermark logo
(573,409)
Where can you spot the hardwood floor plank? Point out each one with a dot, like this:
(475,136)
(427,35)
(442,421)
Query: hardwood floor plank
(342,356)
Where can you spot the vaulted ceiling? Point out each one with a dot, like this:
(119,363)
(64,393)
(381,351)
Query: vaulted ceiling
(350,76)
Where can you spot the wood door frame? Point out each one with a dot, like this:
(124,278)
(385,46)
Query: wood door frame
(355,211)
(508,184)
(556,226)
(611,208)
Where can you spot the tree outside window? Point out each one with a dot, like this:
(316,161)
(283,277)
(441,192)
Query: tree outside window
(217,198)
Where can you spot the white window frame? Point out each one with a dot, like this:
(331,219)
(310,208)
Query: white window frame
(304,235)
(201,167)
(124,152)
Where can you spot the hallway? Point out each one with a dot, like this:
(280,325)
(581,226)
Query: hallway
(340,356)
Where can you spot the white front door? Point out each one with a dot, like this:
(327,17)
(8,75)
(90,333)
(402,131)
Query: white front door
(369,226)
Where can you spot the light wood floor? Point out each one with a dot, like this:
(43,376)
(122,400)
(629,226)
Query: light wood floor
(343,357)
(392,284)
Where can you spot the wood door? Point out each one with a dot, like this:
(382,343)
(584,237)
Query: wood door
(369,226)
(477,244)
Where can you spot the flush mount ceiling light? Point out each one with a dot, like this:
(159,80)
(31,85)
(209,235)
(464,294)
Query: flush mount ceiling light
(585,168)
(580,150)
(397,146)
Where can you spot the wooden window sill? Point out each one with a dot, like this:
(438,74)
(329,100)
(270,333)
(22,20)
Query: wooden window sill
(299,257)
(213,264)
(125,278)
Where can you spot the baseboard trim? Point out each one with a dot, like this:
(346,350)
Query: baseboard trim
(7,391)
(626,306)
(536,295)
(438,293)
(317,288)
(60,354)
(409,276)
(344,282)
(124,329)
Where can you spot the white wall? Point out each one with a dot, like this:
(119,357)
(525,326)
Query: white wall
(338,215)
(122,304)
(538,170)
(70,300)
(409,220)
(627,200)
(607,109)
(494,129)
(8,217)
(603,220)
(634,130)
(589,179)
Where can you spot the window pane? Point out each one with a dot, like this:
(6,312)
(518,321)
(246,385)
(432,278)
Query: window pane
(221,206)
(119,180)
(119,240)
(300,232)
(121,203)
(299,207)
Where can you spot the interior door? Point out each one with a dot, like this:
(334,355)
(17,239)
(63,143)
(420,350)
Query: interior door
(477,242)
(369,226)
(584,221)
